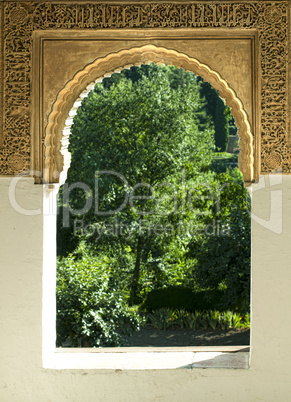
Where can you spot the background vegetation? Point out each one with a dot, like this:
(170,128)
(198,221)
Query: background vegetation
(182,241)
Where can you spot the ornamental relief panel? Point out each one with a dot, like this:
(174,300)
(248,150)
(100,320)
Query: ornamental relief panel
(20,19)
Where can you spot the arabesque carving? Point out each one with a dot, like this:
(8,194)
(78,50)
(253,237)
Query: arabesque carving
(18,21)
(57,131)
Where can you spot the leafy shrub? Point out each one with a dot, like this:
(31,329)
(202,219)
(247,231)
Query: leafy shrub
(236,320)
(173,297)
(245,323)
(224,261)
(222,161)
(213,318)
(182,298)
(90,312)
(191,320)
(162,318)
(225,320)
(202,320)
(181,318)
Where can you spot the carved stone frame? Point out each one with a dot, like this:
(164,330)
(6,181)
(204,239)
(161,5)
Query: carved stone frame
(20,20)
(51,128)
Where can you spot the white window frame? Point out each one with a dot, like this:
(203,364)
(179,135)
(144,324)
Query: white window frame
(135,358)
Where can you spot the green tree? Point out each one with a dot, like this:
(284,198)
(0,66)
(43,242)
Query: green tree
(219,113)
(148,130)
(220,254)
(221,126)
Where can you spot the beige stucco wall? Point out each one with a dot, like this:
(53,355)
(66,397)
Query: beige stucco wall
(22,377)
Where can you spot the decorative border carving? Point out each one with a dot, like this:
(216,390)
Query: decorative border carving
(269,18)
(55,135)
(1,73)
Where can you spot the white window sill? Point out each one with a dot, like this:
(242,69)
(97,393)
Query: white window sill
(149,358)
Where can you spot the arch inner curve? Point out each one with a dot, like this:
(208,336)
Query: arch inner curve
(57,157)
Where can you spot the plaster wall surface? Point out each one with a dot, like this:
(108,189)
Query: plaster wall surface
(22,377)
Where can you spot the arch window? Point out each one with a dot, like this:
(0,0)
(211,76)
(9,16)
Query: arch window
(57,159)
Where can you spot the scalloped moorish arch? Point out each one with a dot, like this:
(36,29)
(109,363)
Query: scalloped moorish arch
(57,156)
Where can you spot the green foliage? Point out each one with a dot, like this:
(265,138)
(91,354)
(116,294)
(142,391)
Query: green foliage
(174,297)
(90,312)
(165,318)
(225,320)
(191,320)
(236,320)
(151,125)
(162,318)
(181,318)
(223,162)
(66,241)
(210,95)
(202,320)
(219,112)
(213,318)
(144,130)
(182,298)
(246,323)
(232,130)
(229,265)
(221,126)
(148,130)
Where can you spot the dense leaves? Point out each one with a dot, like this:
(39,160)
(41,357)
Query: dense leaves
(222,260)
(90,311)
(145,133)
(221,126)
(220,114)
(146,207)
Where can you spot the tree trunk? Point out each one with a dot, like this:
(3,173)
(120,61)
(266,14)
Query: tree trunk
(136,272)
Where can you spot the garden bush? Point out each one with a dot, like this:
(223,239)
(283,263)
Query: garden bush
(165,318)
(90,311)
(179,297)
(223,161)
